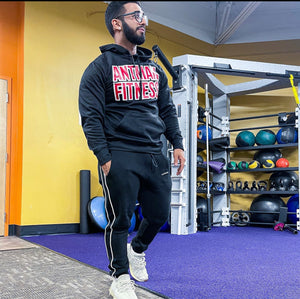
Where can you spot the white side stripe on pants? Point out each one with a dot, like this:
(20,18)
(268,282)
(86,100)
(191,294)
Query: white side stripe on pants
(110,223)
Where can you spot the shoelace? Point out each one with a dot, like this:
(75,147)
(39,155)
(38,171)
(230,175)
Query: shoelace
(127,285)
(140,260)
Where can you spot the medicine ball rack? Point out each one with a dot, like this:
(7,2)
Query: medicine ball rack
(199,71)
(243,217)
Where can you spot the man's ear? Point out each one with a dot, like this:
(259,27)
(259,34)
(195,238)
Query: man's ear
(117,24)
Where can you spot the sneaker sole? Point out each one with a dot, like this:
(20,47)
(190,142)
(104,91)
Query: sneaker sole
(111,294)
(140,280)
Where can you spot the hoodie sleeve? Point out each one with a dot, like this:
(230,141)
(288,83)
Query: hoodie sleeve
(92,111)
(167,112)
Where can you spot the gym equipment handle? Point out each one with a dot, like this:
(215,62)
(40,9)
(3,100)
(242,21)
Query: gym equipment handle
(165,61)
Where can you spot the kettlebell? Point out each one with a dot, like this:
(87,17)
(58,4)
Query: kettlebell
(293,188)
(272,186)
(246,186)
(230,186)
(262,186)
(253,187)
(238,186)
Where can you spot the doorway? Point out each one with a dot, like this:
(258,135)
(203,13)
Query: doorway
(3,151)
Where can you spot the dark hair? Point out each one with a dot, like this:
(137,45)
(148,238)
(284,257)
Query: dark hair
(113,10)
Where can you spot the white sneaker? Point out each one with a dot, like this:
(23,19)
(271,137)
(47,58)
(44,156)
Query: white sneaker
(137,264)
(122,288)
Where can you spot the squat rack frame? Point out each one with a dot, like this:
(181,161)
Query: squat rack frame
(193,71)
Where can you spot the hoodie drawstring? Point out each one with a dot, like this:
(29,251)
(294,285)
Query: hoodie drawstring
(140,74)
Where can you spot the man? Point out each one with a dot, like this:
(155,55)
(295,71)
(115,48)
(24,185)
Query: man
(125,107)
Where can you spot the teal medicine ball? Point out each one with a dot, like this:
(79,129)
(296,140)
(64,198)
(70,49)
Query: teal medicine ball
(231,165)
(243,165)
(265,137)
(245,138)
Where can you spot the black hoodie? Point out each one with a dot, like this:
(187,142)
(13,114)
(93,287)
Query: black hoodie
(123,110)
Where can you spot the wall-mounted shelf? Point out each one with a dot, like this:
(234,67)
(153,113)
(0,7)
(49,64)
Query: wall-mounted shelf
(275,169)
(261,147)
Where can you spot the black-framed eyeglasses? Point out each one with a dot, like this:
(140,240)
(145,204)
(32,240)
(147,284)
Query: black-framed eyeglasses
(138,15)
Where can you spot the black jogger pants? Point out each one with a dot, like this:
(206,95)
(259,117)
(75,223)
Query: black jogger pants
(134,177)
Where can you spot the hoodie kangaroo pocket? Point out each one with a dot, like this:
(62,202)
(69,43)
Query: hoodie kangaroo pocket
(141,126)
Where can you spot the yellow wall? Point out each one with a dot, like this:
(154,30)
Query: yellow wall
(60,39)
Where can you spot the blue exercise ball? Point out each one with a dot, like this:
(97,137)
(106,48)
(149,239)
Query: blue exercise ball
(293,205)
(132,224)
(287,135)
(201,133)
(96,210)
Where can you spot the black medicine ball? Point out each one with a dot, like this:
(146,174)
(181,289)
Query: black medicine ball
(266,203)
(268,154)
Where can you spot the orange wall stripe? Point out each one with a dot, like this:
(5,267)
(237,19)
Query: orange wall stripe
(12,69)
(8,164)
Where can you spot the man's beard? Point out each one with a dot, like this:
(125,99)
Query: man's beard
(132,36)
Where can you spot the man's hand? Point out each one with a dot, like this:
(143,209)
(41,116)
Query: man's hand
(178,155)
(106,167)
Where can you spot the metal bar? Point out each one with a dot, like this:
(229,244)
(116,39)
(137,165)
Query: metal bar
(255,128)
(280,193)
(219,222)
(239,67)
(215,212)
(207,112)
(259,212)
(190,104)
(215,116)
(211,126)
(257,223)
(254,212)
(260,116)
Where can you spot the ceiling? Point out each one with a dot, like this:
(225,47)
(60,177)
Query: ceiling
(229,22)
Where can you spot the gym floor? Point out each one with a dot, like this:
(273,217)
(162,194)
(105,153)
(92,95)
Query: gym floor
(33,271)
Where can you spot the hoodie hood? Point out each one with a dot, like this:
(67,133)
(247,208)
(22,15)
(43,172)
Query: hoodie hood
(143,53)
